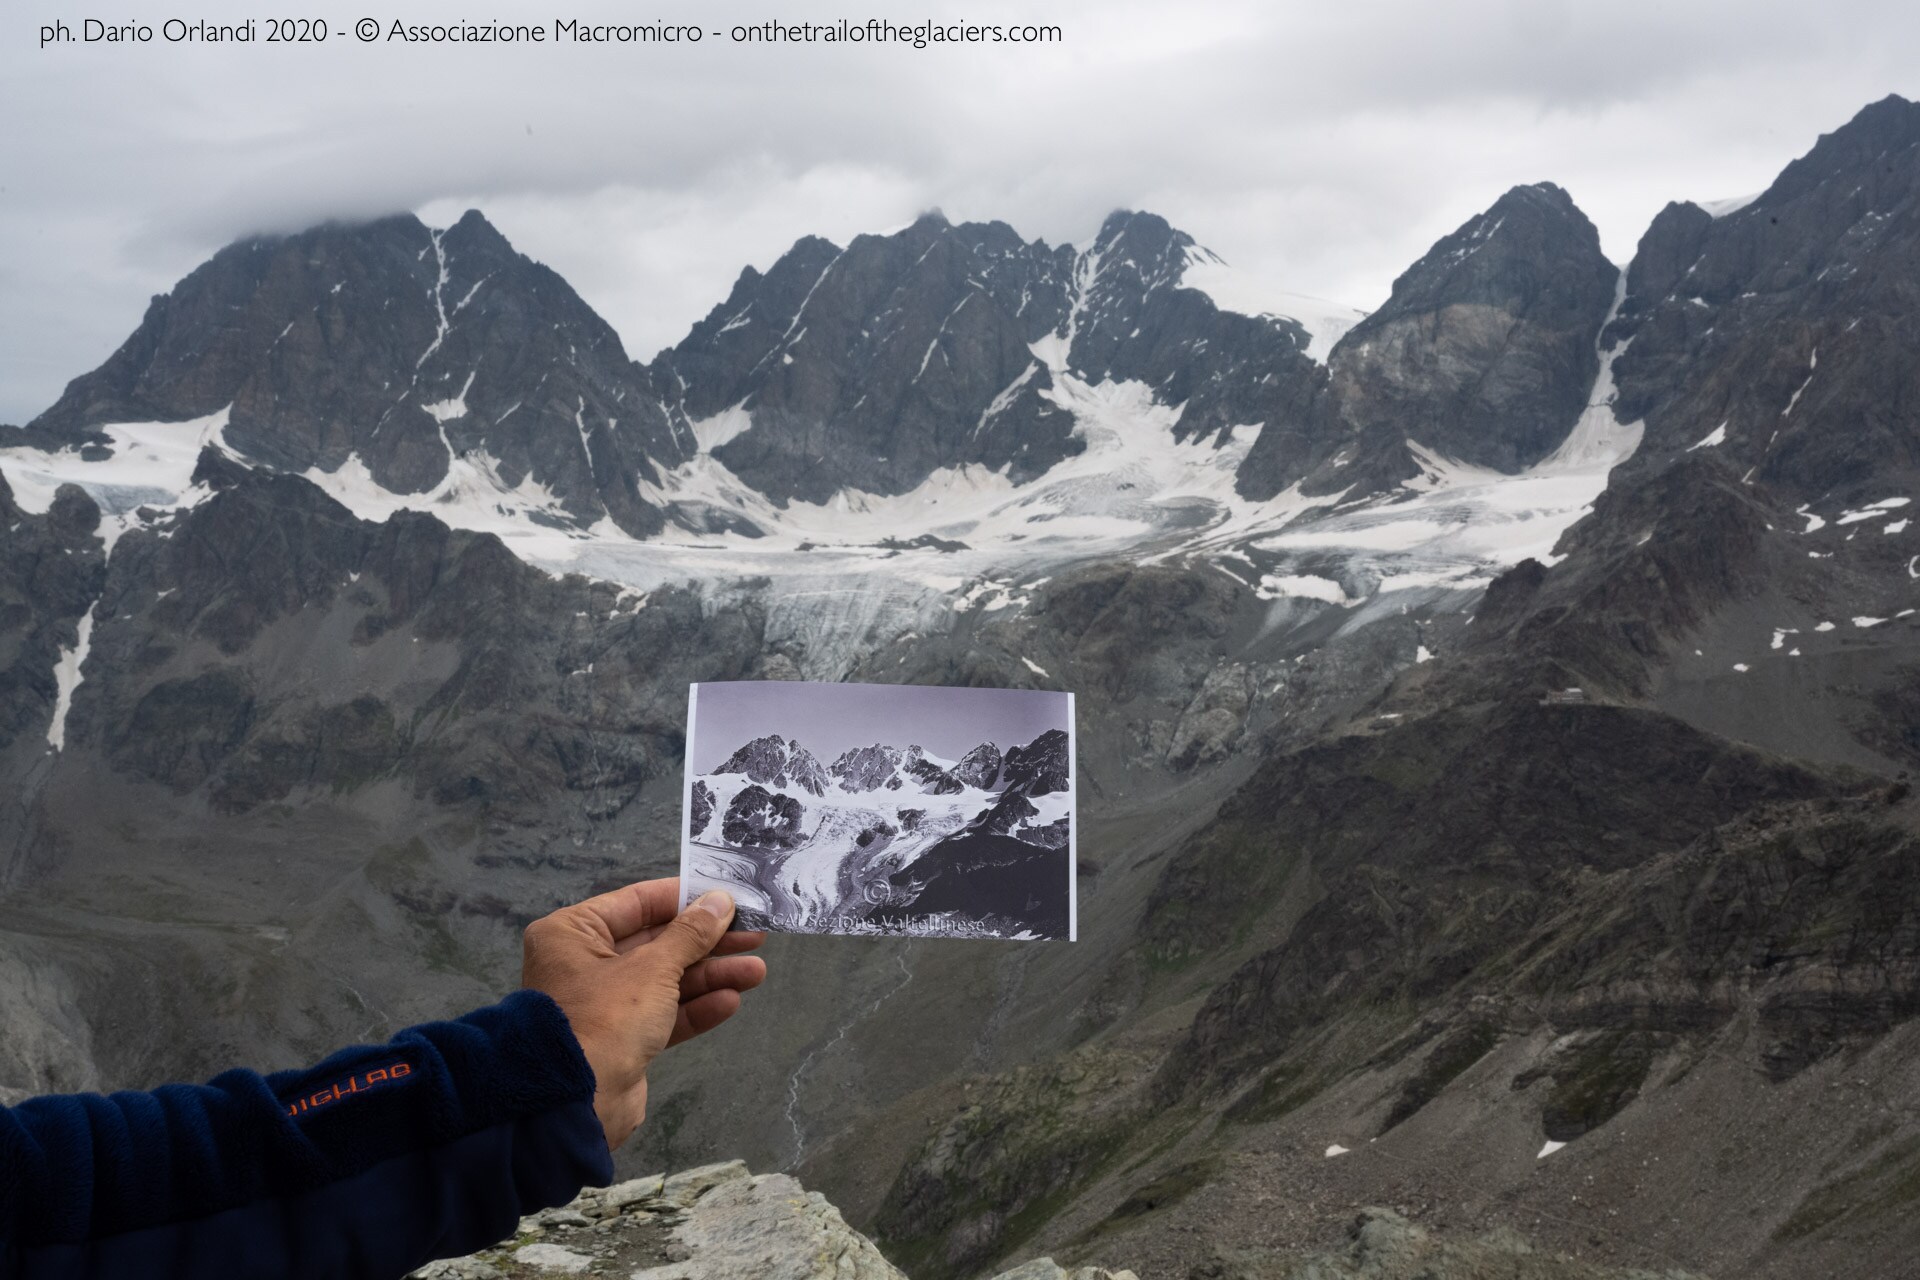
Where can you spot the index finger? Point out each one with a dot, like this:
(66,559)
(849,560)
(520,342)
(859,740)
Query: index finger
(628,910)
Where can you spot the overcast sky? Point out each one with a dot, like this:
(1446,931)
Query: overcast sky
(1319,147)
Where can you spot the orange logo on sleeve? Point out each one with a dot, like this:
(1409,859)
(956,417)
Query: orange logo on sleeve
(392,1073)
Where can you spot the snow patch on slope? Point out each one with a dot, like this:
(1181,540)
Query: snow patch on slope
(472,495)
(1713,439)
(152,466)
(1305,586)
(711,433)
(66,678)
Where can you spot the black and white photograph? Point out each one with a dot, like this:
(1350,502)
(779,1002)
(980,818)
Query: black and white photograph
(883,810)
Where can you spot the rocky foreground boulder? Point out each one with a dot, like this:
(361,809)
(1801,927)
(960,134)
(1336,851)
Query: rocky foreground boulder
(717,1222)
(722,1222)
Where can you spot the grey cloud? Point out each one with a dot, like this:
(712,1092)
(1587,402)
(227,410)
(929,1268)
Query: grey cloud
(1319,147)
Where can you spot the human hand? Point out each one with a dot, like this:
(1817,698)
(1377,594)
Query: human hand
(634,979)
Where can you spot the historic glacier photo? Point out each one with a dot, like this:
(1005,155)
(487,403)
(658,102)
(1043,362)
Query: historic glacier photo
(882,809)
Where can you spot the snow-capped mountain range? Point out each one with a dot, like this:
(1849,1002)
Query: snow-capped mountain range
(881,436)
(881,439)
(939,419)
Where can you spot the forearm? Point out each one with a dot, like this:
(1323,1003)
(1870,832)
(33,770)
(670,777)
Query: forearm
(368,1164)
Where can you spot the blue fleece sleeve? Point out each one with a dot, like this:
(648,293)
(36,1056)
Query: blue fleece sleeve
(375,1161)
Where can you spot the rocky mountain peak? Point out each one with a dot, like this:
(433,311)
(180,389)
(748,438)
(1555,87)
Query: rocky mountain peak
(777,762)
(1486,350)
(1141,251)
(873,366)
(934,778)
(1040,766)
(1234,377)
(1777,332)
(867,768)
(1667,251)
(1514,255)
(401,349)
(472,232)
(730,344)
(1873,140)
(980,767)
(445,364)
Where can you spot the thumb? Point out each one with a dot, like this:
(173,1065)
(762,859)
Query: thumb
(693,933)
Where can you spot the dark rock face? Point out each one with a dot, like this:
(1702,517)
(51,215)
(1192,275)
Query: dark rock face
(1039,767)
(806,772)
(1008,812)
(778,762)
(401,346)
(1138,630)
(184,628)
(1006,816)
(980,767)
(1653,562)
(875,365)
(1508,598)
(762,819)
(51,570)
(1495,791)
(1789,323)
(1810,908)
(1014,883)
(1485,351)
(868,768)
(1666,253)
(182,730)
(1055,835)
(1009,1149)
(702,806)
(1594,1075)
(343,746)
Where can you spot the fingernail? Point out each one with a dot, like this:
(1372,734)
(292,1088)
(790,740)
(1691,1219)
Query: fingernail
(716,902)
